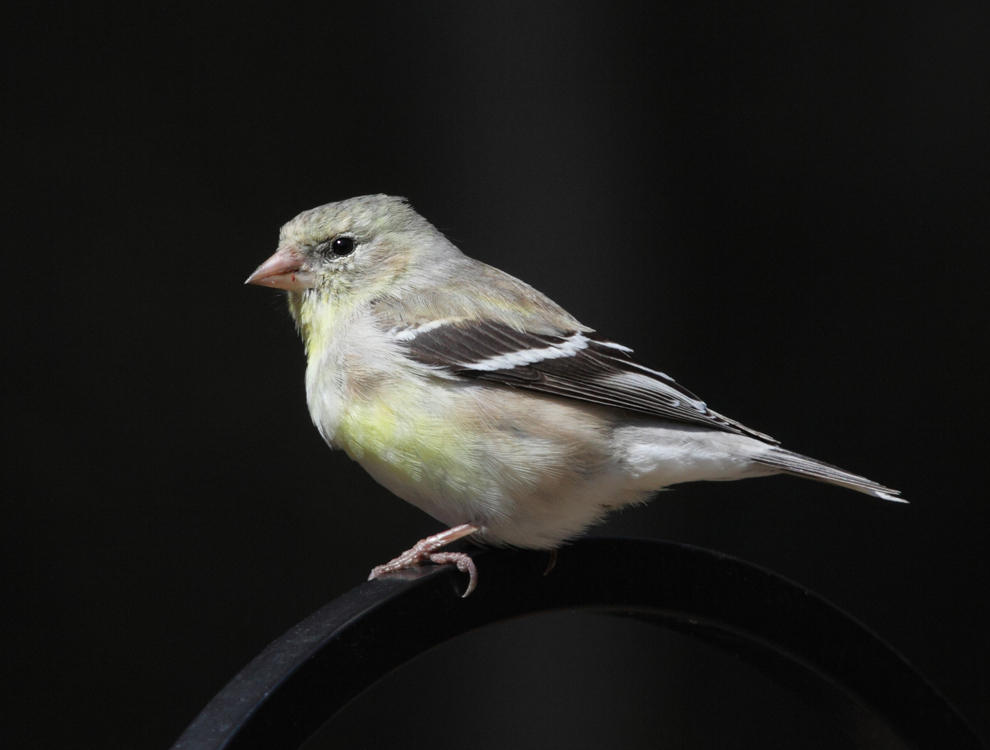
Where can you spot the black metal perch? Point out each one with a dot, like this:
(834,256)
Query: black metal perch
(296,684)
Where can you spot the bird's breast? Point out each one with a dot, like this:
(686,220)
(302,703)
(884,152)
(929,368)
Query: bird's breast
(356,384)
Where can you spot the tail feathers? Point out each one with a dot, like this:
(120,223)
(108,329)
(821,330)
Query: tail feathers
(810,468)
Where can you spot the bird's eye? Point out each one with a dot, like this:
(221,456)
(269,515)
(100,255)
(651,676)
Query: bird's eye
(341,246)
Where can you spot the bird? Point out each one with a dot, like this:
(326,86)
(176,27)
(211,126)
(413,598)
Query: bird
(476,398)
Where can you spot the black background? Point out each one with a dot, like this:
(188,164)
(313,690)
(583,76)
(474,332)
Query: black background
(786,208)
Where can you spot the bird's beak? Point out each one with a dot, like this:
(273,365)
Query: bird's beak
(284,270)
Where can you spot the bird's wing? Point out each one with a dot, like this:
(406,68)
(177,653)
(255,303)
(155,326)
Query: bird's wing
(576,364)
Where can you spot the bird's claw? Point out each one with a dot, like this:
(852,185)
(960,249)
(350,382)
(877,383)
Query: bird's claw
(461,560)
(464,564)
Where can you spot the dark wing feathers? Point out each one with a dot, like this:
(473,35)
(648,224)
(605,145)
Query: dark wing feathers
(578,365)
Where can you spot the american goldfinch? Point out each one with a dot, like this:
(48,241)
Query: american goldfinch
(476,398)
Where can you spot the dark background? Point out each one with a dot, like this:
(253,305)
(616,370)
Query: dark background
(785,208)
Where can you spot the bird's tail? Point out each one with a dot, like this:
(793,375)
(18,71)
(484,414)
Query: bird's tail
(810,468)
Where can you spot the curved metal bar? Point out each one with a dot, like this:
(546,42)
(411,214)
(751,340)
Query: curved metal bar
(299,681)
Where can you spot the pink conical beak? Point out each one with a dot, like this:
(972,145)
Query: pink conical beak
(284,270)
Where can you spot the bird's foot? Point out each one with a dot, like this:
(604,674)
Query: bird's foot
(464,564)
(426,549)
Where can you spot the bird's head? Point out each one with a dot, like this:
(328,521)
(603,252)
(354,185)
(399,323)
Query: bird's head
(359,247)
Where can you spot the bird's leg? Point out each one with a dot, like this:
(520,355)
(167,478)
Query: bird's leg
(426,549)
(551,563)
